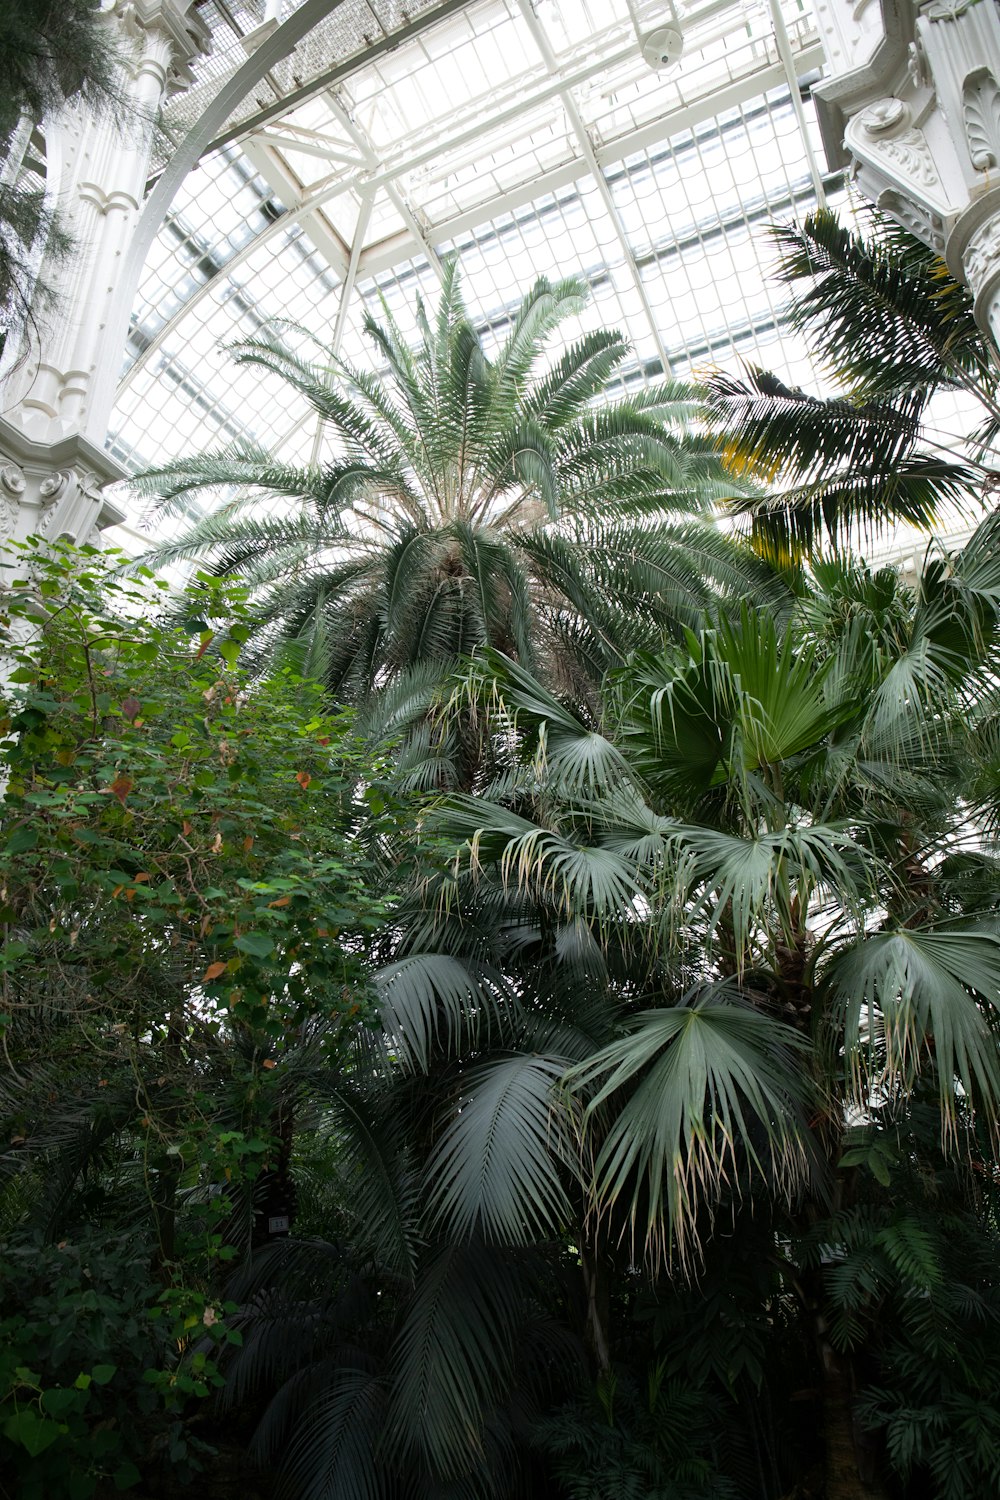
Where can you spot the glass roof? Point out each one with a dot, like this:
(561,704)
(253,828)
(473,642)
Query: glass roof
(525,136)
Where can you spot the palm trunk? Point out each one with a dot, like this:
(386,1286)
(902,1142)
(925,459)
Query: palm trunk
(595,1281)
(849,1460)
(850,1454)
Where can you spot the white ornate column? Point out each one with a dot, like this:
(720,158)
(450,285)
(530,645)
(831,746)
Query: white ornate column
(97,168)
(912,104)
(54,490)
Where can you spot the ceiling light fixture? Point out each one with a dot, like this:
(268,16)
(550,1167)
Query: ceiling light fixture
(658,32)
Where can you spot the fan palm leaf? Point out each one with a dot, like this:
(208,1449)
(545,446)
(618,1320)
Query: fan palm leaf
(433,1004)
(713,1086)
(924,996)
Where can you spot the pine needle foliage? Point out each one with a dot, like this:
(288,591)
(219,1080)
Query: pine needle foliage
(52,52)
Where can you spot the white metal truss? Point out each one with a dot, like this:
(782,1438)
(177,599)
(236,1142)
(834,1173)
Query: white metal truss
(373,177)
(362,180)
(594,167)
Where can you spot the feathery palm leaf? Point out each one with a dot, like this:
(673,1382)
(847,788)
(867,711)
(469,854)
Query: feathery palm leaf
(495,1171)
(891,316)
(467,504)
(895,327)
(840,468)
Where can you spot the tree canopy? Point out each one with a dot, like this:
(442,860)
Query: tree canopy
(475,496)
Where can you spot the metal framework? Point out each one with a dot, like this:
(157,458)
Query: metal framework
(524,136)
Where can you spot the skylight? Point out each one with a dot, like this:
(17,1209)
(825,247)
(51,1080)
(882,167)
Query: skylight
(524,138)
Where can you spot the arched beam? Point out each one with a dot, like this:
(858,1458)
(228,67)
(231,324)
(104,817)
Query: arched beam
(688,118)
(282,41)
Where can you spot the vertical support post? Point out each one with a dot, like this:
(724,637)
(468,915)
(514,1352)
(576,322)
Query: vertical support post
(51,477)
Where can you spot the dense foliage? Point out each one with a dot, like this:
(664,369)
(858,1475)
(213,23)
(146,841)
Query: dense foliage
(473,496)
(188,895)
(620,1120)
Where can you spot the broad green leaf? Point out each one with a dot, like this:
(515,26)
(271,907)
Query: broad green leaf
(257,944)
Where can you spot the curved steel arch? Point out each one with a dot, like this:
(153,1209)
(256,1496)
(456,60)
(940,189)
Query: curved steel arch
(282,41)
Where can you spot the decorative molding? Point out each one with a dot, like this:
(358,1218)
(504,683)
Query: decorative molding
(43,524)
(981,260)
(178,20)
(920,221)
(12,479)
(91,487)
(883,40)
(947,10)
(981,112)
(920,126)
(916,65)
(8,518)
(56,487)
(911,154)
(884,117)
(53,485)
(91,192)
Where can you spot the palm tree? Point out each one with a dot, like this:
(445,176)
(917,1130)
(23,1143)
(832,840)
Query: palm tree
(473,500)
(776,852)
(894,328)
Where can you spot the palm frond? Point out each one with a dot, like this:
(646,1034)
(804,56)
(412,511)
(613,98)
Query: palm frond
(562,746)
(712,1089)
(433,1004)
(578,376)
(762,884)
(332,1451)
(913,1000)
(376,1164)
(541,310)
(892,316)
(495,1171)
(578,878)
(451,1358)
(240,465)
(763,426)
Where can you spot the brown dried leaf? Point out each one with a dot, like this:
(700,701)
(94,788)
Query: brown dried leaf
(121,786)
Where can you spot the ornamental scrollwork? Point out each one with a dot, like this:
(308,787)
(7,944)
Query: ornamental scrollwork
(982,254)
(911,153)
(52,485)
(981,111)
(12,479)
(924,225)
